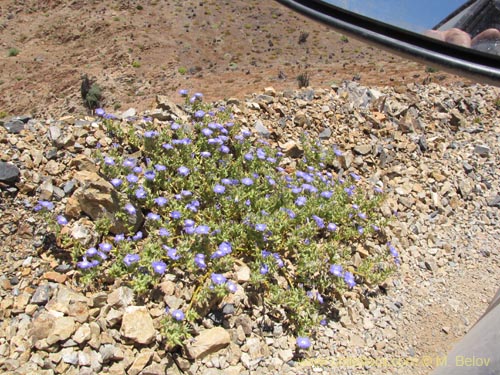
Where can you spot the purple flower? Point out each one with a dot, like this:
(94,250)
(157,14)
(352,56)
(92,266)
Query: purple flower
(205,154)
(301,201)
(99,112)
(189,223)
(108,160)
(132,178)
(119,237)
(362,215)
(224,149)
(116,182)
(149,175)
(159,267)
(150,133)
(49,206)
(167,146)
(361,230)
(175,215)
(129,163)
(160,201)
(106,247)
(84,264)
(260,227)
(61,220)
(218,279)
(137,236)
(199,114)
(178,315)
(130,259)
(189,230)
(137,169)
(264,268)
(183,92)
(378,190)
(261,154)
(153,216)
(331,227)
(199,260)
(206,132)
(350,190)
(349,279)
(394,253)
(303,342)
(326,194)
(247,181)
(183,171)
(336,270)
(225,247)
(232,287)
(248,156)
(223,250)
(219,189)
(290,213)
(130,209)
(337,151)
(355,177)
(279,261)
(141,193)
(319,221)
(92,251)
(160,167)
(171,252)
(202,229)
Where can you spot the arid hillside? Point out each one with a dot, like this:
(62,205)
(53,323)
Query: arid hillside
(137,49)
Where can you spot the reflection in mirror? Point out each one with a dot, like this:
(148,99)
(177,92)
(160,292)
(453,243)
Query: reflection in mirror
(473,23)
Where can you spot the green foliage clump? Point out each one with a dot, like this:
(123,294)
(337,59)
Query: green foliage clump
(215,198)
(13,52)
(303,79)
(94,96)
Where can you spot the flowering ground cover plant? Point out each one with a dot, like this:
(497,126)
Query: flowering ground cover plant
(214,197)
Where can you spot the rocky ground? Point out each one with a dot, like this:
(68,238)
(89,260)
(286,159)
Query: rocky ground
(434,148)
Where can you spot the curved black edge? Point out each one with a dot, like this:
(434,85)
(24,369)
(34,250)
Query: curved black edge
(462,61)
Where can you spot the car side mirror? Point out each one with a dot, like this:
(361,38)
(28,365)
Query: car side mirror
(462,37)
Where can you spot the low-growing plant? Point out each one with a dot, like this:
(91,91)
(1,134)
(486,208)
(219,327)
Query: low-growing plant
(94,96)
(344,39)
(303,79)
(182,70)
(13,52)
(216,198)
(303,37)
(136,64)
(431,69)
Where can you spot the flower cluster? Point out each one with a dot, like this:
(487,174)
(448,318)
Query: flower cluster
(213,195)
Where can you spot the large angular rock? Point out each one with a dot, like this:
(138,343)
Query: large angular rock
(9,173)
(208,342)
(171,111)
(137,325)
(98,198)
(63,328)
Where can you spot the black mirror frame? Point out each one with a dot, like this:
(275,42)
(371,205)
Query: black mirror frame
(476,65)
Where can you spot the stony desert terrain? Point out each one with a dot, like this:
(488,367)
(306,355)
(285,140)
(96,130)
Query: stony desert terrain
(431,138)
